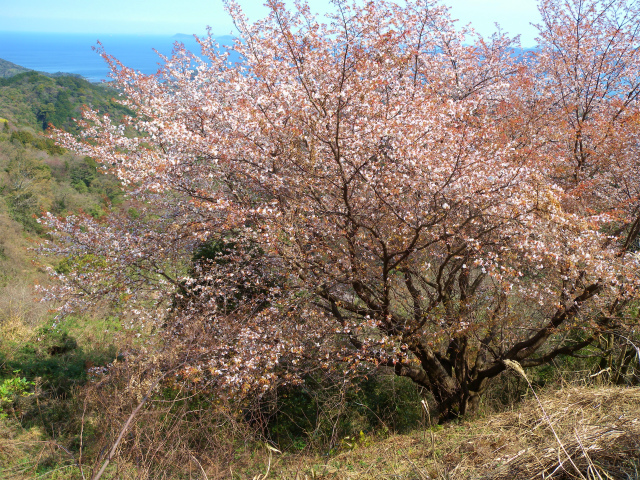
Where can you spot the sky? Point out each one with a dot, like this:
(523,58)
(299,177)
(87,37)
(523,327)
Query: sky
(166,17)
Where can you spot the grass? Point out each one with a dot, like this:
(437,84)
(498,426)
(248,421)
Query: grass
(598,427)
(70,421)
(40,426)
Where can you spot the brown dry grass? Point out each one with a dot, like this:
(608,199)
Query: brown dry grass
(598,428)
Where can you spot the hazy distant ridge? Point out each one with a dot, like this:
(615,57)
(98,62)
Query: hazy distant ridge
(8,69)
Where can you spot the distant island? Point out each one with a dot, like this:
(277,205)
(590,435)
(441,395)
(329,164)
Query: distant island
(183,36)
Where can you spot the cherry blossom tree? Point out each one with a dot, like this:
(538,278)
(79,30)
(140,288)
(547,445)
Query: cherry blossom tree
(381,188)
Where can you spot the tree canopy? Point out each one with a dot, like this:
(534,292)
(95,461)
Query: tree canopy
(380,188)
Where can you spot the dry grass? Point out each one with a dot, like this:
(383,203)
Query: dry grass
(579,432)
(20,309)
(598,428)
(27,454)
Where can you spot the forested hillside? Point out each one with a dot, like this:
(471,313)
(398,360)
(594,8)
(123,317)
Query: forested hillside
(36,174)
(31,98)
(8,69)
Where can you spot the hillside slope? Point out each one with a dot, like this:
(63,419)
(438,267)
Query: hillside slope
(33,99)
(35,174)
(8,69)
(598,436)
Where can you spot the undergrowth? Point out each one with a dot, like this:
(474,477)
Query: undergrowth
(63,412)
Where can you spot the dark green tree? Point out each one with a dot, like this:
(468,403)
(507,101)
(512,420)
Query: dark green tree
(45,114)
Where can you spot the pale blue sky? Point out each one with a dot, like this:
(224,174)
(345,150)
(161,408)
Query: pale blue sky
(192,16)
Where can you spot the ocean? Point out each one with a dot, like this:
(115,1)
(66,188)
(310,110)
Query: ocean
(73,53)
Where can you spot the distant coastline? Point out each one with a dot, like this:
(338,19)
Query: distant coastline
(73,53)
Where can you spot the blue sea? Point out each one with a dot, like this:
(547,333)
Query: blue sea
(73,53)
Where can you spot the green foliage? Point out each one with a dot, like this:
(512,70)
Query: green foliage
(45,114)
(215,251)
(85,262)
(83,174)
(27,189)
(221,252)
(25,138)
(324,416)
(133,213)
(108,189)
(55,356)
(39,100)
(355,441)
(36,175)
(57,181)
(13,387)
(9,69)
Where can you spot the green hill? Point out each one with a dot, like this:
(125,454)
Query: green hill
(35,174)
(33,99)
(8,69)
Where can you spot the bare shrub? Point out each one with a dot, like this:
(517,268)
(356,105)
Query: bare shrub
(176,430)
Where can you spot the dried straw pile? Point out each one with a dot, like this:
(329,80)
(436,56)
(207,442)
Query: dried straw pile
(597,436)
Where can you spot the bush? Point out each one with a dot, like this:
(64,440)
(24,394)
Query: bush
(13,387)
(322,411)
(23,137)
